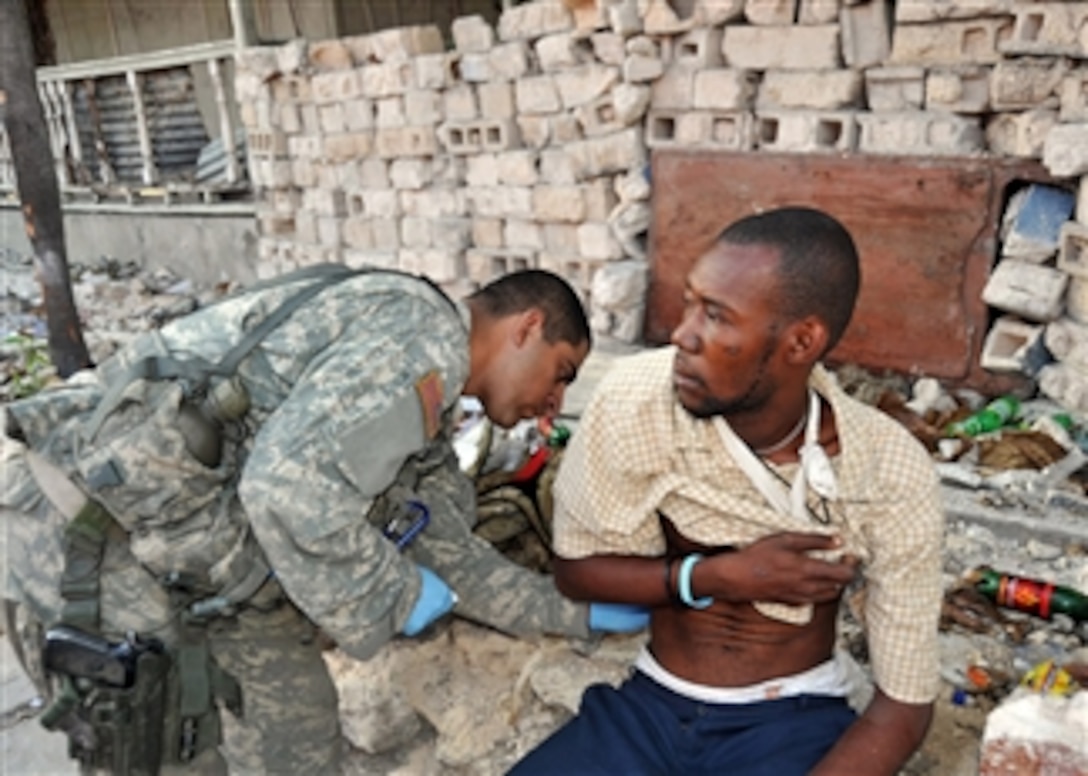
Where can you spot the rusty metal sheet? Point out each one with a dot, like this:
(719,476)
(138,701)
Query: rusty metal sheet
(926,229)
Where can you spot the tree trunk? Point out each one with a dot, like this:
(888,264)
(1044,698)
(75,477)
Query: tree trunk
(36,181)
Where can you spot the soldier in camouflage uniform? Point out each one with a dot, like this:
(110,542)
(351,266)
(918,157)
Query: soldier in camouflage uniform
(351,402)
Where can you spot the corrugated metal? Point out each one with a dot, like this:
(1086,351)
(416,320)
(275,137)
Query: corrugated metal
(106,119)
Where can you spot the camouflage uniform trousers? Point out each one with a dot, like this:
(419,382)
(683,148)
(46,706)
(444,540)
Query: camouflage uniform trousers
(291,721)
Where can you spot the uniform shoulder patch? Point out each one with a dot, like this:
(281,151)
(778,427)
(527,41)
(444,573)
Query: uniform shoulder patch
(429,388)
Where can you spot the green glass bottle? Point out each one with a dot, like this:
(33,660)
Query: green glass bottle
(1032,596)
(998,413)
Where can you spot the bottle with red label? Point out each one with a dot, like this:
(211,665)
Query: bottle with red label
(1033,596)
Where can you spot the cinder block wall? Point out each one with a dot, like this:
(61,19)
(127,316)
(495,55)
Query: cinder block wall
(527,144)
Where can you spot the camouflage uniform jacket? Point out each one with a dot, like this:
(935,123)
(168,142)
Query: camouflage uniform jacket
(352,402)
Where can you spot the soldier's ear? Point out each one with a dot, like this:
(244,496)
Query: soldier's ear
(527,322)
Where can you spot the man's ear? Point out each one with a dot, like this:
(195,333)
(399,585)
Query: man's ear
(806,340)
(527,322)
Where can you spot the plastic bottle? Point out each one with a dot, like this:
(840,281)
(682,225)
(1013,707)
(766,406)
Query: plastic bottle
(1033,596)
(993,416)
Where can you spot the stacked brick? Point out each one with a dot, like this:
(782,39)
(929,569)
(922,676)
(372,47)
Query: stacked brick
(526,144)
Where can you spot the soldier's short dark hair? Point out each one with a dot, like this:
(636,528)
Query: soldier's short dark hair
(818,267)
(564,317)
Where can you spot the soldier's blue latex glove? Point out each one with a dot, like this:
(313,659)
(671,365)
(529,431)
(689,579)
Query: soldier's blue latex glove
(618,618)
(435,599)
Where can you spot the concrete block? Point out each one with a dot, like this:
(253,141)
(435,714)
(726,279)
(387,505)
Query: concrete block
(500,202)
(459,103)
(328,177)
(336,86)
(562,51)
(518,168)
(818,11)
(699,49)
(589,16)
(770,12)
(359,114)
(536,131)
(1051,29)
(812,89)
(359,259)
(866,33)
(624,18)
(599,117)
(1065,150)
(387,80)
(577,270)
(439,264)
(601,199)
(1074,97)
(291,56)
(384,233)
(268,144)
(482,170)
(565,128)
(435,71)
(523,234)
(305,223)
(939,10)
(596,241)
(561,238)
(972,42)
(487,232)
(484,135)
(537,94)
(918,134)
(559,203)
(708,129)
(423,107)
(1073,249)
(556,167)
(358,233)
(532,20)
(449,171)
(302,174)
(406,141)
(608,48)
(1011,345)
(399,44)
(659,17)
(806,131)
(389,112)
(410,173)
(960,89)
(382,204)
(1031,291)
(496,100)
(374,173)
(1031,226)
(325,202)
(674,90)
(289,118)
(584,84)
(348,146)
(329,55)
(472,33)
(311,122)
(415,232)
(293,88)
(331,118)
(475,68)
(713,13)
(1020,134)
(275,225)
(485,265)
(616,153)
(724,89)
(813,47)
(894,89)
(1028,83)
(434,202)
(1076,299)
(1067,341)
(1065,384)
(453,234)
(639,68)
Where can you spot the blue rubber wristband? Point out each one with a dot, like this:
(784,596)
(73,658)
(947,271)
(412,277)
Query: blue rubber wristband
(683,582)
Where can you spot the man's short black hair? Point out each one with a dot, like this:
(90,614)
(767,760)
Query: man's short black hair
(818,268)
(564,317)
